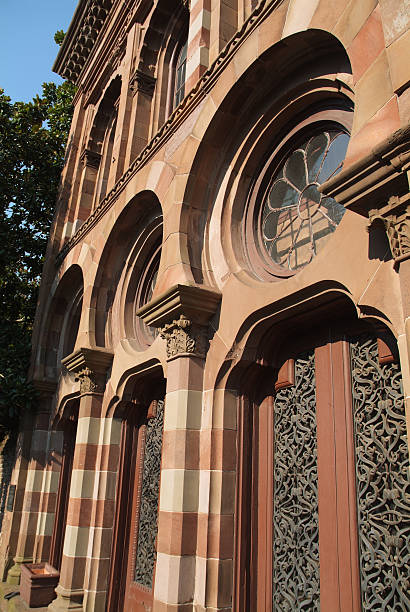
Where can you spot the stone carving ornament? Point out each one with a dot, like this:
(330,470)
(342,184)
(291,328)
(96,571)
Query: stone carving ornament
(395,218)
(88,382)
(184,337)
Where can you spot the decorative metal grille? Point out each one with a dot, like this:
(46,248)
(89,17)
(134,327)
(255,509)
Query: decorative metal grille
(296,218)
(295,500)
(148,509)
(383,487)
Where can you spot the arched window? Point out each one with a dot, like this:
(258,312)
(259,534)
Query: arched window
(180,72)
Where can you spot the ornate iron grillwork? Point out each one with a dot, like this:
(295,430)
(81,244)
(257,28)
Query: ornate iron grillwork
(148,510)
(295,501)
(383,487)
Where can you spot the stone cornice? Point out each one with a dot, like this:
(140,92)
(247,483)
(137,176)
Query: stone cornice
(82,33)
(180,114)
(194,302)
(90,366)
(97,359)
(182,314)
(368,183)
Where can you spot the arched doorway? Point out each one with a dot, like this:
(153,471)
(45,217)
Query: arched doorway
(322,509)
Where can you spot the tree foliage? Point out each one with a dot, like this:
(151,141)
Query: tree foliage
(33,136)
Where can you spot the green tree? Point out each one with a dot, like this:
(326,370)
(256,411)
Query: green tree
(33,136)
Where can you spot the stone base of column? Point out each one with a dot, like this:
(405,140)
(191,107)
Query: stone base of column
(14,573)
(67,599)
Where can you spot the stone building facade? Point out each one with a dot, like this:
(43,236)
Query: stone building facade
(222,339)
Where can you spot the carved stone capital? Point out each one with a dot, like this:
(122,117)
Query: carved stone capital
(185,338)
(395,218)
(90,367)
(90,158)
(140,81)
(181,315)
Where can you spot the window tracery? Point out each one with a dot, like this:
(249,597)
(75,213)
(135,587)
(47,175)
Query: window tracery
(295,218)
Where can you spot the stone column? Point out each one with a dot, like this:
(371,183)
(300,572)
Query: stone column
(37,460)
(198,42)
(181,314)
(91,367)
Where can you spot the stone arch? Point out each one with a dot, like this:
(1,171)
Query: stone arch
(62,322)
(294,76)
(320,304)
(133,244)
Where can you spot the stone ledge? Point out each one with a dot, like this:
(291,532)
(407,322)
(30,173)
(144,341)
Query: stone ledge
(195,302)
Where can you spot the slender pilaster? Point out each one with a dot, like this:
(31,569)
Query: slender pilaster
(181,314)
(37,461)
(91,367)
(198,41)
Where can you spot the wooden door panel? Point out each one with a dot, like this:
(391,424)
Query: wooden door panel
(356,425)
(339,584)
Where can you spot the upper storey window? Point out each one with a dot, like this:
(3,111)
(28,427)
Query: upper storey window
(180,73)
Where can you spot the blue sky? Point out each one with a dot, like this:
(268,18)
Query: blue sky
(27,47)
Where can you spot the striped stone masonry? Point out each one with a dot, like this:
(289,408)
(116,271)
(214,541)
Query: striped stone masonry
(181,314)
(92,490)
(198,41)
(36,518)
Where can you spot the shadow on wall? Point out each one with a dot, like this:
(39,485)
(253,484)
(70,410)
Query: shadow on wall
(7,455)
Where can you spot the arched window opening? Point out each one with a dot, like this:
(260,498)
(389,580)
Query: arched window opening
(106,157)
(180,74)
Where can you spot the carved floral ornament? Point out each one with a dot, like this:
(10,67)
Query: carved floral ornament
(90,367)
(184,337)
(181,316)
(395,218)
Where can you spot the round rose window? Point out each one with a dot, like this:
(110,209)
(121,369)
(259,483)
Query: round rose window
(295,218)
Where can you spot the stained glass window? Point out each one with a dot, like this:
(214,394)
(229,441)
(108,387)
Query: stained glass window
(296,219)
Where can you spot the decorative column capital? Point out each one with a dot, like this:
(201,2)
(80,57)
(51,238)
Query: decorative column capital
(90,366)
(181,315)
(185,338)
(140,81)
(395,218)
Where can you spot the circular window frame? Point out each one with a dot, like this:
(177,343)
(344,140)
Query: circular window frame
(257,261)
